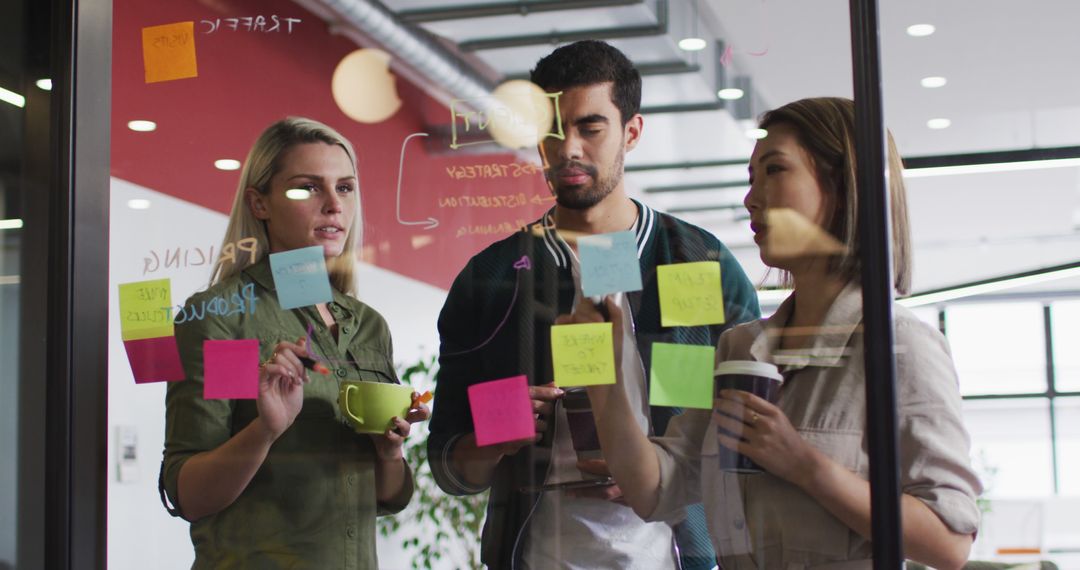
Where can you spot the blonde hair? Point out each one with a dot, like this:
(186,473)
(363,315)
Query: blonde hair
(825,127)
(262,163)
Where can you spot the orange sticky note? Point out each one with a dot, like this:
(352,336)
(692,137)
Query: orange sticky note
(169,52)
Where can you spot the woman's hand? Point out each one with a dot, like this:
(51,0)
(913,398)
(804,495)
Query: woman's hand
(281,387)
(388,445)
(766,436)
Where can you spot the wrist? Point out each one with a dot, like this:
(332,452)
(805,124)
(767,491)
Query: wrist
(264,431)
(813,470)
(390,457)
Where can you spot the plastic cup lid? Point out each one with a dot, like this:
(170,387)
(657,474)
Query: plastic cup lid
(749,368)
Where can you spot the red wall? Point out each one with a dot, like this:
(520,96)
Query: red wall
(247,79)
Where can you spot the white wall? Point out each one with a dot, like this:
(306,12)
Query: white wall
(141,535)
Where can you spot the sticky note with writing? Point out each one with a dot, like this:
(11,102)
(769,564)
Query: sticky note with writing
(146,309)
(681,375)
(690,294)
(501,411)
(154,359)
(583,355)
(300,277)
(169,52)
(230,369)
(609,263)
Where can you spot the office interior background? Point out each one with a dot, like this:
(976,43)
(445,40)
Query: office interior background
(981,96)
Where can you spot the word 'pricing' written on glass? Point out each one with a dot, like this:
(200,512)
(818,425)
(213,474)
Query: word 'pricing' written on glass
(583,355)
(690,294)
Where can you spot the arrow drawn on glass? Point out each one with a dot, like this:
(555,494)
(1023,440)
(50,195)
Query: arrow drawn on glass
(429,223)
(522,264)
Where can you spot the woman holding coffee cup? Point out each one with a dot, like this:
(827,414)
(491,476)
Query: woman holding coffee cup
(801,498)
(285,480)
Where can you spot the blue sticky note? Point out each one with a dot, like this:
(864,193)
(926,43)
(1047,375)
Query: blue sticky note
(609,263)
(300,277)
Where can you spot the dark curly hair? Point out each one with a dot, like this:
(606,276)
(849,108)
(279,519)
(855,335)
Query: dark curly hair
(589,62)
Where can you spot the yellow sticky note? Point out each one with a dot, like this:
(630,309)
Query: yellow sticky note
(169,52)
(583,355)
(690,294)
(146,310)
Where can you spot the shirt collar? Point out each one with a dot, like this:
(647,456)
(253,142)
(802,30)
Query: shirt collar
(831,340)
(560,250)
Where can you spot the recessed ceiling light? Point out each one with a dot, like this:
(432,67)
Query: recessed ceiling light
(227,164)
(11,224)
(138,204)
(939,123)
(12,97)
(44,84)
(297,194)
(692,44)
(142,126)
(756,134)
(921,30)
(730,93)
(933,82)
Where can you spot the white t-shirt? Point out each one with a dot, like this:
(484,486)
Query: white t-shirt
(578,533)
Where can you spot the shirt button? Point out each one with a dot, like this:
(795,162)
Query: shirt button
(334,307)
(351,532)
(352,480)
(345,330)
(341,372)
(739,524)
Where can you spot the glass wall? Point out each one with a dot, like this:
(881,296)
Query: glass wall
(993,188)
(451,172)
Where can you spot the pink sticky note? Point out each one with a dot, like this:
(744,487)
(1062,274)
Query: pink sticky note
(230,369)
(154,359)
(502,411)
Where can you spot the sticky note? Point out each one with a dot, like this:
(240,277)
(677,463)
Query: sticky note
(230,369)
(690,294)
(154,359)
(300,277)
(146,309)
(609,263)
(501,411)
(681,375)
(169,52)
(583,354)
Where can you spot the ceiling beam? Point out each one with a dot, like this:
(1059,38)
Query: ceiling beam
(686,165)
(713,185)
(554,38)
(910,163)
(671,67)
(709,208)
(995,157)
(466,11)
(683,108)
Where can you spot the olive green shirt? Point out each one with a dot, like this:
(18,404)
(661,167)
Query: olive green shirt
(312,502)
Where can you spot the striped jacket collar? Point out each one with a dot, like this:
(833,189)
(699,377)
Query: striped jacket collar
(560,251)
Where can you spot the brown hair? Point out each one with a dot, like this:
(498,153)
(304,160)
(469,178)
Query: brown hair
(825,127)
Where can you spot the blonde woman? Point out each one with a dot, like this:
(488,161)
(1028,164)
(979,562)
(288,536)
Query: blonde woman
(810,507)
(281,481)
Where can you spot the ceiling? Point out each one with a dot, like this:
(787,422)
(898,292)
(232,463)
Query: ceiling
(1011,84)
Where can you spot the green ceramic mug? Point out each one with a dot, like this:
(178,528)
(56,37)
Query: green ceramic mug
(369,406)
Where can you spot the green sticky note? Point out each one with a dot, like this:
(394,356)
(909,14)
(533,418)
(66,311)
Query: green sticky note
(681,376)
(146,310)
(583,355)
(690,294)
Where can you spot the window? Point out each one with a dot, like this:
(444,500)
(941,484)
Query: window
(998,348)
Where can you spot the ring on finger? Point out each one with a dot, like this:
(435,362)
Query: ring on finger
(754,417)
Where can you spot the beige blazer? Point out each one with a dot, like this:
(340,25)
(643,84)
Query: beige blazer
(762,521)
